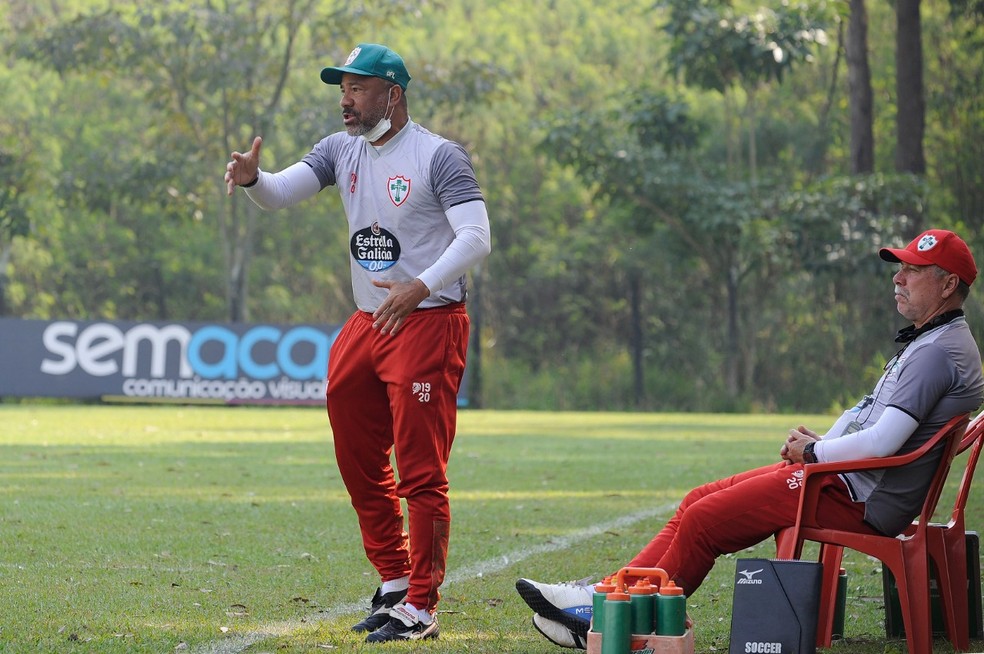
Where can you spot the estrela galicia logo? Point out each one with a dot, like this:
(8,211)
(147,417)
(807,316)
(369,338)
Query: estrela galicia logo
(375,248)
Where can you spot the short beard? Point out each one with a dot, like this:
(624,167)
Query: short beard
(367,121)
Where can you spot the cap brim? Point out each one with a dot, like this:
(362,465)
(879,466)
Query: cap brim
(333,74)
(896,255)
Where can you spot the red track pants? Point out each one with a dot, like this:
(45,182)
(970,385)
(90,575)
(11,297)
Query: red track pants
(399,393)
(731,514)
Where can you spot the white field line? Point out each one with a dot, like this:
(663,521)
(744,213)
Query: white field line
(235,644)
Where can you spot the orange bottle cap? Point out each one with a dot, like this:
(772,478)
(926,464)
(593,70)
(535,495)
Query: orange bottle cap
(642,587)
(670,588)
(618,597)
(606,585)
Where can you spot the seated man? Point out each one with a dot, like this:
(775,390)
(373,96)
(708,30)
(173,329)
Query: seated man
(935,376)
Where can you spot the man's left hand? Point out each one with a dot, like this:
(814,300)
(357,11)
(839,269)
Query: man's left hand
(403,299)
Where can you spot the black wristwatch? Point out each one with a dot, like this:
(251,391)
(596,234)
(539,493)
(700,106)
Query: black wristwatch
(808,455)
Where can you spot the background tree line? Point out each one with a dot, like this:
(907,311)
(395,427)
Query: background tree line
(686,196)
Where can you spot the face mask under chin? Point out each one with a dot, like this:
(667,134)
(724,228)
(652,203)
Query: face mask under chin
(382,126)
(377,132)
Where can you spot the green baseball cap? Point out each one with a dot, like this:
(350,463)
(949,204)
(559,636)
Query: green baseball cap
(371,60)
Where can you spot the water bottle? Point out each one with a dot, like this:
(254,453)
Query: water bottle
(601,590)
(643,602)
(617,636)
(841,605)
(671,610)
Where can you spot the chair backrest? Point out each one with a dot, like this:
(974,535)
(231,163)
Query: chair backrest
(973,440)
(953,438)
(974,430)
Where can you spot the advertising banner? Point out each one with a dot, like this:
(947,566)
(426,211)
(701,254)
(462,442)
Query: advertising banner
(187,362)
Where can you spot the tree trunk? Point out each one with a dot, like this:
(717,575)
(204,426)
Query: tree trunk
(237,282)
(4,260)
(635,303)
(859,89)
(236,230)
(910,118)
(236,295)
(160,290)
(750,111)
(732,133)
(733,340)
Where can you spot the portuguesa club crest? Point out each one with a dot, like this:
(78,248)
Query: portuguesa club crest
(399,189)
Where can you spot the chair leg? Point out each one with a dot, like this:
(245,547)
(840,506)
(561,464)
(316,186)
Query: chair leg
(830,556)
(948,553)
(786,546)
(912,581)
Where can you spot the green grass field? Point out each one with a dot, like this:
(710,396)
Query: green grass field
(208,529)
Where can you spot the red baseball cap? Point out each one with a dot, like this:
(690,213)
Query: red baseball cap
(940,247)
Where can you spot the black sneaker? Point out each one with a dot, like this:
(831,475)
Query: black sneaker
(379,609)
(403,625)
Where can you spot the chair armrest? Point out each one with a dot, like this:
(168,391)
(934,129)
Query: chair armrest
(893,461)
(813,473)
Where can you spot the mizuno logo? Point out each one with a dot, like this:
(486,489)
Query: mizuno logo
(749,577)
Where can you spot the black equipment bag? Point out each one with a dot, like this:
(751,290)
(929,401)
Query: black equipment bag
(775,607)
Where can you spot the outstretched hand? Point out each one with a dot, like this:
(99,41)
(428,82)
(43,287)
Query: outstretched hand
(243,168)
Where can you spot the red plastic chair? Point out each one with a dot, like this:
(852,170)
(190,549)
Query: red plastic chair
(948,545)
(906,555)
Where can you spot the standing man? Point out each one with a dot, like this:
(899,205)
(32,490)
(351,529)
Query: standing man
(417,224)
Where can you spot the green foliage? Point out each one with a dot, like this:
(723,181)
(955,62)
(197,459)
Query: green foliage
(13,215)
(25,148)
(955,126)
(662,208)
(719,46)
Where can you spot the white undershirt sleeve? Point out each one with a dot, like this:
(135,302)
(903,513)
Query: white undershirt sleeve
(472,243)
(883,438)
(286,188)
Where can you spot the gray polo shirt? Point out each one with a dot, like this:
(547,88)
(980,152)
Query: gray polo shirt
(934,378)
(395,198)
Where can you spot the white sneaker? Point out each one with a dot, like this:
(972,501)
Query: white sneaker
(568,603)
(557,633)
